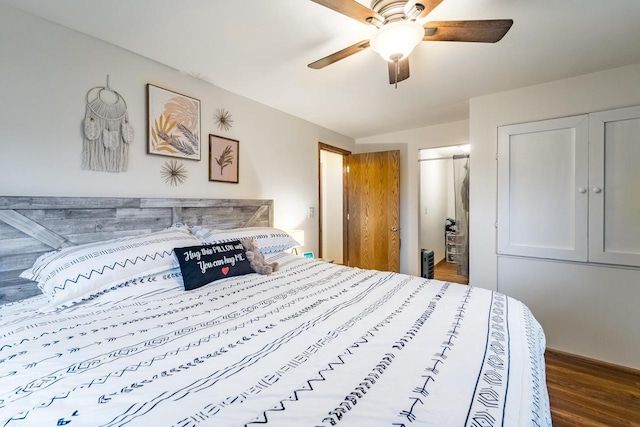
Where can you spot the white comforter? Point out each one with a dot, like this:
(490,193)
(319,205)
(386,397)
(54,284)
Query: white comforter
(313,344)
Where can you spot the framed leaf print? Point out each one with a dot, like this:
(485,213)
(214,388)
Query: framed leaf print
(223,159)
(173,124)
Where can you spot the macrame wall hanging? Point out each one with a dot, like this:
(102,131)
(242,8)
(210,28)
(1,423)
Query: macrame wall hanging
(107,131)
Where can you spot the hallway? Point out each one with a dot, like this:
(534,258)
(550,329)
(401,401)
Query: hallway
(446,271)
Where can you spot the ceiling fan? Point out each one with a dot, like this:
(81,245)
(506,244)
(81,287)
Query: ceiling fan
(398,32)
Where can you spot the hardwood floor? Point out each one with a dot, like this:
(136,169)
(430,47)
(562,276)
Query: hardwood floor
(446,271)
(589,393)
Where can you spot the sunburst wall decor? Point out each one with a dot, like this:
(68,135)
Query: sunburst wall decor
(174,173)
(223,119)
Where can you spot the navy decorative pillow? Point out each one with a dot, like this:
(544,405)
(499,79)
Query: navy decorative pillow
(204,264)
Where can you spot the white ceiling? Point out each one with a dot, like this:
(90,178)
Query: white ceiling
(260,49)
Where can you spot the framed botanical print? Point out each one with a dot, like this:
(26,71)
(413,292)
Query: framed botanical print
(173,124)
(224,154)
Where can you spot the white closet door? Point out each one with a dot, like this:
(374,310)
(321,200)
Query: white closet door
(542,189)
(614,200)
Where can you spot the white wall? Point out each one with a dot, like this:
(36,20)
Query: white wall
(434,205)
(45,73)
(409,142)
(584,309)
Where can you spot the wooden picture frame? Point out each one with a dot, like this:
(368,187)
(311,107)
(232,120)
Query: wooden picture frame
(173,124)
(224,156)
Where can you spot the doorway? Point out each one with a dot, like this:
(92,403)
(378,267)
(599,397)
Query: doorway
(444,210)
(359,208)
(332,202)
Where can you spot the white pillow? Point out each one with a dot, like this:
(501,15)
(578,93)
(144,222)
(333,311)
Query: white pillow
(269,239)
(68,274)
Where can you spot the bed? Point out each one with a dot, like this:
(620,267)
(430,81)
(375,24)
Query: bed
(313,344)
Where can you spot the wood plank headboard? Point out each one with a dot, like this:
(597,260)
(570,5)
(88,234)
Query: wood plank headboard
(31,226)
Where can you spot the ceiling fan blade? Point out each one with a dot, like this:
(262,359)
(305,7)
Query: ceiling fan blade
(398,71)
(428,5)
(353,9)
(341,54)
(487,31)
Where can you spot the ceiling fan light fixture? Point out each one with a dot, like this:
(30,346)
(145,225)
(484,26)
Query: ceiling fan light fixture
(396,40)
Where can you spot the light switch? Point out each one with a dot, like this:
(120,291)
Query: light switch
(311,212)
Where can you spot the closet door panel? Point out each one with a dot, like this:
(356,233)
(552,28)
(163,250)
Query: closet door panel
(542,189)
(542,174)
(614,200)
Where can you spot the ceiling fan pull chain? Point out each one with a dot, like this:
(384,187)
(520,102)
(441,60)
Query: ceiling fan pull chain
(397,67)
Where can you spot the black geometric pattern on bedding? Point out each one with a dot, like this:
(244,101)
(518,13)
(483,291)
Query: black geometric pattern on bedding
(535,341)
(345,360)
(487,406)
(213,408)
(316,342)
(72,273)
(161,340)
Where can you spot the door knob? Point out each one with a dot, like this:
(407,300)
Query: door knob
(582,190)
(597,189)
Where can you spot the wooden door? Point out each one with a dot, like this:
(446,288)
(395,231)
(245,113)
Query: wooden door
(373,210)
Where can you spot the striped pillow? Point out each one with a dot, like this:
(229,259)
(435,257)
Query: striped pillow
(269,239)
(67,275)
